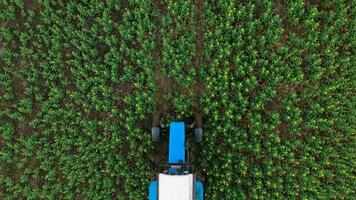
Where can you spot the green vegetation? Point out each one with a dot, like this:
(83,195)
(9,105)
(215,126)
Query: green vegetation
(80,81)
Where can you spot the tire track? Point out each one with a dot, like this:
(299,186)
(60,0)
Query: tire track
(198,61)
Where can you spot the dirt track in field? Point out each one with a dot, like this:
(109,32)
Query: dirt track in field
(165,84)
(162,83)
(198,61)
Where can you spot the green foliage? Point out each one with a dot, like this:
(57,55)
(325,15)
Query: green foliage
(275,102)
(7,131)
(79,83)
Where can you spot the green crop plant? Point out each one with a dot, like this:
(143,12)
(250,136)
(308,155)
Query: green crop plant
(81,80)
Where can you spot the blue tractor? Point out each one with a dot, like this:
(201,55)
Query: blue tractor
(176,179)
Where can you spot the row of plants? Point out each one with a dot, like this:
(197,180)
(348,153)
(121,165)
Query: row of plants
(88,85)
(278,93)
(79,85)
(178,20)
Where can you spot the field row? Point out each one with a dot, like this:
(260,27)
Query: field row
(80,82)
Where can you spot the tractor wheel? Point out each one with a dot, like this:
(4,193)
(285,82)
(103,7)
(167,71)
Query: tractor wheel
(198,134)
(165,148)
(155,134)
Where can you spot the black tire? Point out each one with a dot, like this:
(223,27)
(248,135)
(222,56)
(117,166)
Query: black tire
(165,148)
(155,134)
(198,134)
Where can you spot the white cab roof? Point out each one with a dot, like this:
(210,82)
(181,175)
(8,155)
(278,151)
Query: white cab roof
(175,187)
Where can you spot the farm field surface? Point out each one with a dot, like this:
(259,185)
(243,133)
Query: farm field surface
(274,81)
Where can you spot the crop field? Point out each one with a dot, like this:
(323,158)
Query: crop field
(274,82)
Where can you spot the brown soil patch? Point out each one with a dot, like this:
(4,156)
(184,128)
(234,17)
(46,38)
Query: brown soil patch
(278,10)
(124,89)
(283,130)
(19,87)
(198,61)
(286,25)
(282,89)
(20,84)
(275,106)
(163,84)
(317,3)
(199,35)
(28,5)
(31,5)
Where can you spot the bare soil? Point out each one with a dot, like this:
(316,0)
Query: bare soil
(124,89)
(163,84)
(198,61)
(278,10)
(19,86)
(283,130)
